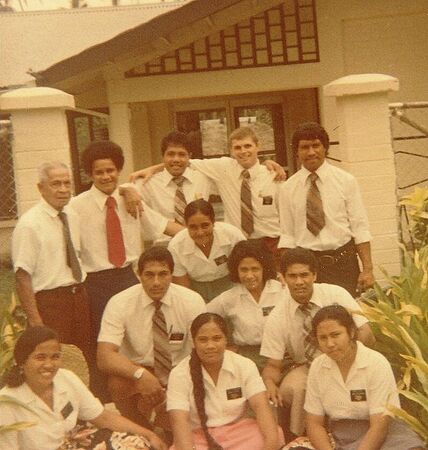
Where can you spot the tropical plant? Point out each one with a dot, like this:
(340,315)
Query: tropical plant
(416,204)
(399,318)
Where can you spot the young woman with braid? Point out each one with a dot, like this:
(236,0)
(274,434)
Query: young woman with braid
(209,392)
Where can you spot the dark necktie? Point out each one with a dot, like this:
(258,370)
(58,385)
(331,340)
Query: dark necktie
(315,218)
(161,350)
(115,245)
(247,219)
(309,345)
(179,200)
(72,260)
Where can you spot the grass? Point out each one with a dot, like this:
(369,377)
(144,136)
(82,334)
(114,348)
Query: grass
(7,285)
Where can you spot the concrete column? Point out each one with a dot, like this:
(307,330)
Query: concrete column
(40,134)
(366,152)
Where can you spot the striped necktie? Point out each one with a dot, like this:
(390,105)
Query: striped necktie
(115,245)
(315,218)
(179,200)
(247,219)
(161,349)
(309,344)
(72,260)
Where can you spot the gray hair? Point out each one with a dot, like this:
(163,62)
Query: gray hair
(46,167)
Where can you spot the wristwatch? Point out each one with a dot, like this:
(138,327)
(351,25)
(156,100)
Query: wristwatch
(138,373)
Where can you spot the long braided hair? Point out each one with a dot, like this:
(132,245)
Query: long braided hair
(196,374)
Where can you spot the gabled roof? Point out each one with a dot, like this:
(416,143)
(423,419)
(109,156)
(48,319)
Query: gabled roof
(154,34)
(39,39)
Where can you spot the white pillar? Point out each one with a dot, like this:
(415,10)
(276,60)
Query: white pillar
(366,151)
(40,134)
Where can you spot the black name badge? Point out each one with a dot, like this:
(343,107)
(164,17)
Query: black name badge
(358,395)
(234,393)
(67,410)
(220,260)
(177,337)
(267,200)
(267,309)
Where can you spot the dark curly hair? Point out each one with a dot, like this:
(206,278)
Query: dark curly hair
(176,139)
(102,150)
(253,248)
(298,255)
(310,131)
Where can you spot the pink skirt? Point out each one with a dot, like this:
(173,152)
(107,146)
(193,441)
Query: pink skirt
(240,435)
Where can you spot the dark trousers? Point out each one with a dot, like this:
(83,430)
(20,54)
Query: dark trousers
(339,267)
(66,310)
(101,286)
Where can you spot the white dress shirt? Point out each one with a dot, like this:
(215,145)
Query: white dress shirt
(370,379)
(39,248)
(247,316)
(127,322)
(91,208)
(159,192)
(71,398)
(238,375)
(345,215)
(227,175)
(189,258)
(283,330)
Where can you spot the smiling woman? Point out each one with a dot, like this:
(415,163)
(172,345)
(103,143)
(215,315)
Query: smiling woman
(53,399)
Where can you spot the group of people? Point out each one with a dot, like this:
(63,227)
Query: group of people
(222,316)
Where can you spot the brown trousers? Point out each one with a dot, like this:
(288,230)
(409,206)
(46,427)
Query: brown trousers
(66,310)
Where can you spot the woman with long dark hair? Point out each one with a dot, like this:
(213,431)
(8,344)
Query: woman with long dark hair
(208,394)
(201,251)
(247,305)
(51,400)
(351,385)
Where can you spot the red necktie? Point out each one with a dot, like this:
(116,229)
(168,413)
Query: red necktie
(115,245)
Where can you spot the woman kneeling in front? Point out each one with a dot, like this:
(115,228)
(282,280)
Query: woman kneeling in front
(351,385)
(208,393)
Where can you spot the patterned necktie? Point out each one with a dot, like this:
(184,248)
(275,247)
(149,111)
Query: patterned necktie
(115,245)
(161,350)
(179,200)
(247,219)
(315,218)
(309,345)
(72,260)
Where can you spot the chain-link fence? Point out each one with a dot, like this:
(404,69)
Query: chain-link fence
(409,127)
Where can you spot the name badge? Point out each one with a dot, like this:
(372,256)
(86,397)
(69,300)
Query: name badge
(220,260)
(234,393)
(267,200)
(176,337)
(267,309)
(67,410)
(358,395)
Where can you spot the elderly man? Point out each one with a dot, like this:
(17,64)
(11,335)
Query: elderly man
(45,252)
(321,209)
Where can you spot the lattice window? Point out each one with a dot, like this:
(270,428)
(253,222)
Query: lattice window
(8,204)
(285,34)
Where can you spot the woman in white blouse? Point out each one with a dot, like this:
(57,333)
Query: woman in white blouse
(247,305)
(51,400)
(201,251)
(209,392)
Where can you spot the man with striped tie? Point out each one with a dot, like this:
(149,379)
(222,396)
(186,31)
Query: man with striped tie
(288,331)
(321,209)
(144,333)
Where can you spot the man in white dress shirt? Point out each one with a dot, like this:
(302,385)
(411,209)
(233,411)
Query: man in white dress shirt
(342,230)
(288,331)
(126,343)
(159,191)
(45,253)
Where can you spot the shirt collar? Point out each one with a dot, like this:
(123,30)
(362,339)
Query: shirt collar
(360,362)
(295,305)
(253,171)
(47,208)
(147,301)
(190,247)
(100,198)
(226,366)
(167,177)
(322,172)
